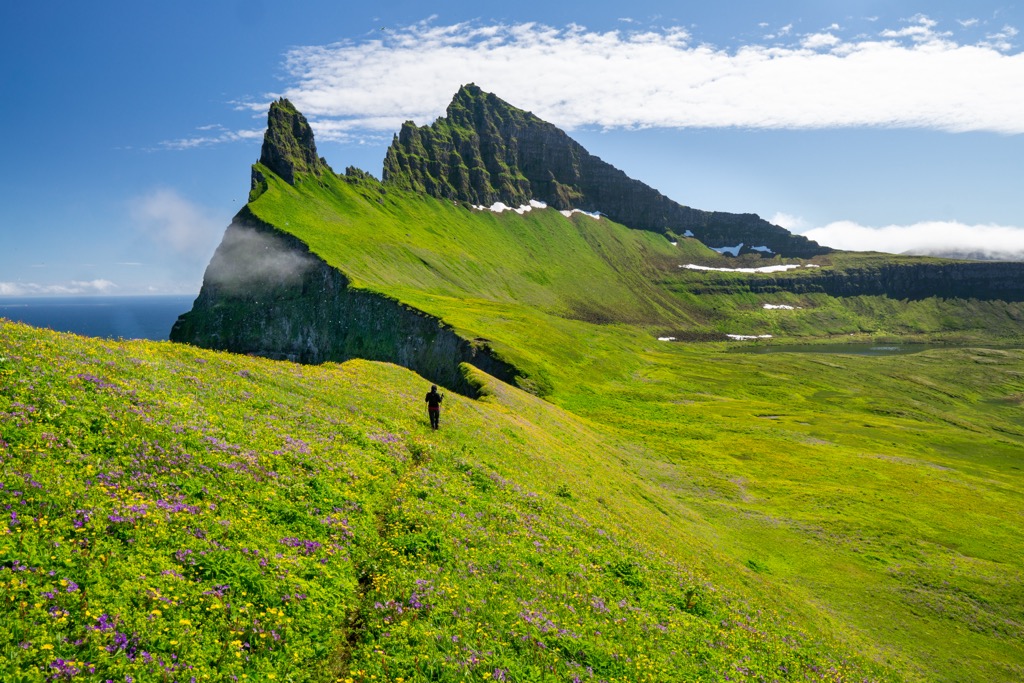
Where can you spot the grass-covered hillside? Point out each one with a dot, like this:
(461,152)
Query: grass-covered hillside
(668,511)
(880,498)
(173,514)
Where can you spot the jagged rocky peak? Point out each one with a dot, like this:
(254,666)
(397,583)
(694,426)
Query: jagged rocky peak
(288,145)
(484,150)
(472,154)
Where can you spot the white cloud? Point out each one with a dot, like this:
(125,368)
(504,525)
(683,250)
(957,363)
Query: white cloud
(912,76)
(1001,40)
(789,221)
(816,41)
(927,238)
(98,286)
(174,222)
(213,134)
(920,29)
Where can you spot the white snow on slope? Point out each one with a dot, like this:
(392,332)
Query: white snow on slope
(762,269)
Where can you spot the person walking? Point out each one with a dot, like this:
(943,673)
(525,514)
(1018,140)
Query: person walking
(433,401)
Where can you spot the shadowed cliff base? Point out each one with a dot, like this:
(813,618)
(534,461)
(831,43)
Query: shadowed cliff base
(265,294)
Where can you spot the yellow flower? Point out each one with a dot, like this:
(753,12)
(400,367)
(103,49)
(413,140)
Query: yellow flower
(46,647)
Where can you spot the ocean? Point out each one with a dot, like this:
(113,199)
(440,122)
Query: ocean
(111,317)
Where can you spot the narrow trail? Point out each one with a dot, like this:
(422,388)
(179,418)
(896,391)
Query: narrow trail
(419,454)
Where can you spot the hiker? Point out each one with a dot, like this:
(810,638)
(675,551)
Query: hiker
(434,405)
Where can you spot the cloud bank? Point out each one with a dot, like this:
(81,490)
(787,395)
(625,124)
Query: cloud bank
(914,75)
(927,238)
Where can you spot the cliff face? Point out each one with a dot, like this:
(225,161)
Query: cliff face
(485,150)
(265,294)
(987,281)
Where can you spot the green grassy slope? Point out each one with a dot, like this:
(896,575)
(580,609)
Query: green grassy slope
(418,246)
(172,513)
(882,496)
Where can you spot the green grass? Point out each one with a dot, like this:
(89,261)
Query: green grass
(178,513)
(884,493)
(671,511)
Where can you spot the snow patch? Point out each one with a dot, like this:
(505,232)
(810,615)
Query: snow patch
(500,207)
(779,307)
(764,250)
(748,337)
(666,338)
(735,251)
(762,269)
(674,244)
(593,214)
(688,233)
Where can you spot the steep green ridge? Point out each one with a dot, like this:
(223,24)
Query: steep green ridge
(177,514)
(485,150)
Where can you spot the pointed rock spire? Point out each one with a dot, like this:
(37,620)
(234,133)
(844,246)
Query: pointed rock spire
(288,145)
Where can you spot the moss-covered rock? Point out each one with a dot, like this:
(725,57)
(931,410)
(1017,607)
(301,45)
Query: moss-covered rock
(288,145)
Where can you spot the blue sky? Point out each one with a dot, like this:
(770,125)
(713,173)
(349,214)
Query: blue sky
(130,126)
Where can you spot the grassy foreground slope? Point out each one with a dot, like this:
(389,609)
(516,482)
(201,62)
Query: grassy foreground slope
(177,514)
(882,496)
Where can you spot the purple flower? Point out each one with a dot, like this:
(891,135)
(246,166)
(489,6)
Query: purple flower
(306,547)
(499,674)
(72,586)
(63,669)
(103,623)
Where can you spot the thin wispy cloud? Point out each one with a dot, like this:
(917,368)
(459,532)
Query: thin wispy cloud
(214,134)
(73,287)
(927,238)
(917,74)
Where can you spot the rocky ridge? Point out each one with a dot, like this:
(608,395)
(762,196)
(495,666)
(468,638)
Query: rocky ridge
(264,293)
(484,150)
(288,145)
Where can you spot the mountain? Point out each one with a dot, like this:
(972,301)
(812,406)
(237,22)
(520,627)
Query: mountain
(320,267)
(484,150)
(618,491)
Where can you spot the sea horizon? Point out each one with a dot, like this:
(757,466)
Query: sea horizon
(108,316)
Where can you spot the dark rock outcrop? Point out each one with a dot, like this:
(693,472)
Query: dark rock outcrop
(485,150)
(265,294)
(288,145)
(988,281)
